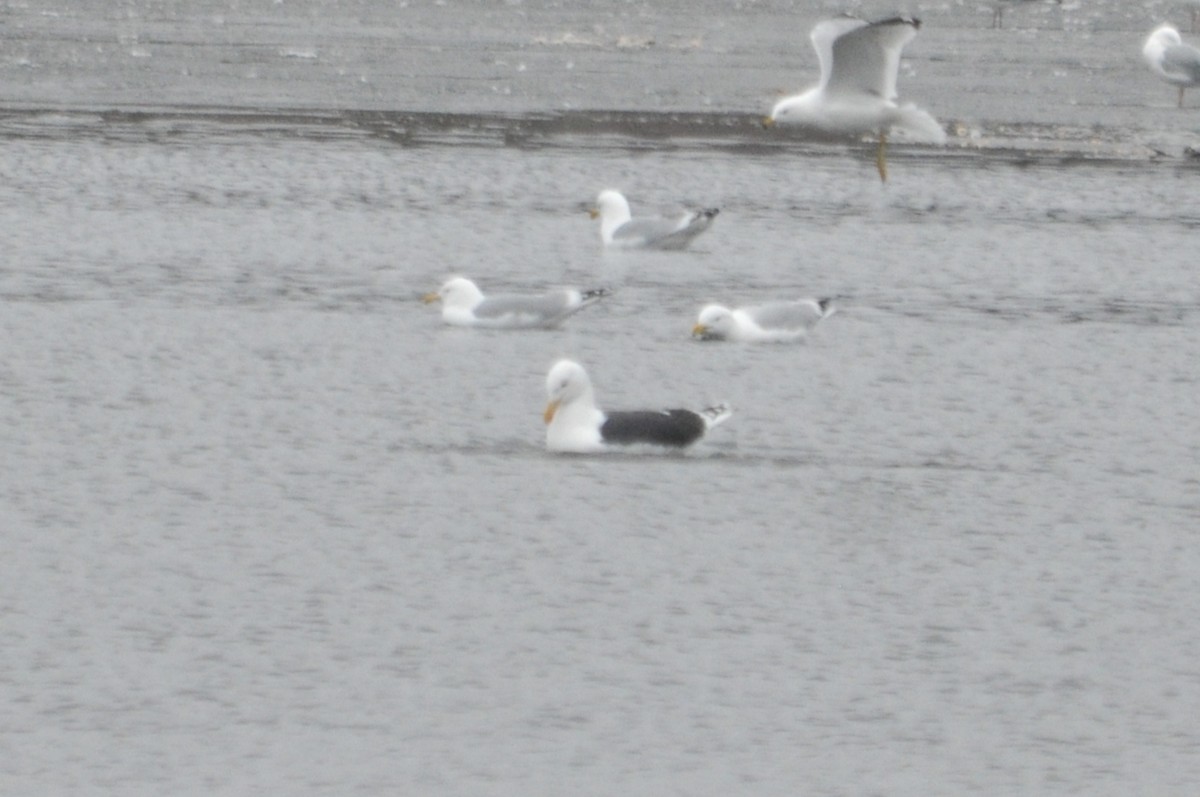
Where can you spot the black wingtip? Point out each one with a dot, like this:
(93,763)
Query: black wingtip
(710,213)
(596,293)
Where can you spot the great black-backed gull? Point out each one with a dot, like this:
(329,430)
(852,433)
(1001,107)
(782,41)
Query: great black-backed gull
(574,423)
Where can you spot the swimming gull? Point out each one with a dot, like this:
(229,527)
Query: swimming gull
(575,425)
(856,94)
(1171,59)
(775,322)
(619,229)
(464,305)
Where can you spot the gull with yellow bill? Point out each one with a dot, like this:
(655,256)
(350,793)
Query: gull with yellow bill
(574,424)
(618,228)
(464,305)
(773,322)
(856,94)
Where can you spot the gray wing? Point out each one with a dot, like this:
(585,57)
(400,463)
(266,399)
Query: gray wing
(802,314)
(548,310)
(665,233)
(867,59)
(645,230)
(824,33)
(525,311)
(1182,62)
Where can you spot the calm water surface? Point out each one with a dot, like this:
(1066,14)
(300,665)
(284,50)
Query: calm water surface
(269,525)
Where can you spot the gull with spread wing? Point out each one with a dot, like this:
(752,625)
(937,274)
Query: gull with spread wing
(856,94)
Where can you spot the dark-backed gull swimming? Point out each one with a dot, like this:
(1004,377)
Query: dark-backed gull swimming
(575,424)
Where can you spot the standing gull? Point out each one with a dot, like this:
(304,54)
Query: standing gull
(1171,59)
(619,229)
(464,305)
(575,425)
(776,322)
(857,91)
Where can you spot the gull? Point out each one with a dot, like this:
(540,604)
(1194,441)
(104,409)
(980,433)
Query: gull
(856,94)
(1171,59)
(464,305)
(775,322)
(575,425)
(619,229)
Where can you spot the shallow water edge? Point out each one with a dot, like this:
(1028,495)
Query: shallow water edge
(734,133)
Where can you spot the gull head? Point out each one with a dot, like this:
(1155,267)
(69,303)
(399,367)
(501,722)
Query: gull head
(611,204)
(455,293)
(1156,45)
(566,382)
(613,211)
(714,323)
(799,109)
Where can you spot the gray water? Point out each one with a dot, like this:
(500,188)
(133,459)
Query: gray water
(268,525)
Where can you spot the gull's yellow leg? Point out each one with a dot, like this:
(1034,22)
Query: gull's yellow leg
(881,156)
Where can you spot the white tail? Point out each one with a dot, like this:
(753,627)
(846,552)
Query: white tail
(716,414)
(919,125)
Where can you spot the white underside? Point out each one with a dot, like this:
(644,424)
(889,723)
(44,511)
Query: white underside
(855,115)
(575,428)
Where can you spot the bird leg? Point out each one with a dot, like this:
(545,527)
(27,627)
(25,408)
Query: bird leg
(881,156)
(1181,96)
